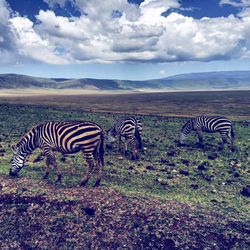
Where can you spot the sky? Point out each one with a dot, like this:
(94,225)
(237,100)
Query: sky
(123,39)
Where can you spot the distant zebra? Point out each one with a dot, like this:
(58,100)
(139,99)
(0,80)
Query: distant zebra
(209,124)
(64,137)
(130,129)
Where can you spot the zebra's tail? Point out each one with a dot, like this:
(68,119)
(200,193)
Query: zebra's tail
(138,138)
(101,149)
(232,132)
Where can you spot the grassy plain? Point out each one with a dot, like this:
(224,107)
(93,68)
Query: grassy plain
(229,103)
(172,198)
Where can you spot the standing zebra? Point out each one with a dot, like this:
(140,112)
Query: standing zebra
(64,137)
(209,124)
(129,128)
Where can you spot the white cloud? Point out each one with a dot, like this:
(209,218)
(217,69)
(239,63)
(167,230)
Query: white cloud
(52,3)
(140,33)
(236,3)
(30,44)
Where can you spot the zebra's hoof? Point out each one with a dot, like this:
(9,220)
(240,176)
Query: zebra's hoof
(59,178)
(46,176)
(97,183)
(83,183)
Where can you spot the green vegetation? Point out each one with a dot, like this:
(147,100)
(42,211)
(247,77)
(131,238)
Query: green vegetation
(200,187)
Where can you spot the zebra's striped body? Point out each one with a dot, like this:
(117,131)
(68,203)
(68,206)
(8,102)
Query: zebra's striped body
(209,124)
(130,129)
(64,137)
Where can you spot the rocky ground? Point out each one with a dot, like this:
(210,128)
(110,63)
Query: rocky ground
(36,215)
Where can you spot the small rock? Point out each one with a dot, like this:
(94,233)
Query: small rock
(120,158)
(202,167)
(150,167)
(214,200)
(162,181)
(194,186)
(171,164)
(89,211)
(186,162)
(171,153)
(63,159)
(212,156)
(236,174)
(184,172)
(246,191)
(164,161)
(207,178)
(170,177)
(130,168)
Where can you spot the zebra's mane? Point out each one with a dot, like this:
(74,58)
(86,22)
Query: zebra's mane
(18,144)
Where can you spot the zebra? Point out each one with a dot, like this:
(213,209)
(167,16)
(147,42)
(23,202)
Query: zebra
(129,128)
(66,137)
(209,124)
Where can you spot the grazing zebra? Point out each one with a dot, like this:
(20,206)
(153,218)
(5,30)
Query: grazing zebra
(129,128)
(64,137)
(209,124)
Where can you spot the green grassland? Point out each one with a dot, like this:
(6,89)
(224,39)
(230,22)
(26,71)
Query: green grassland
(199,188)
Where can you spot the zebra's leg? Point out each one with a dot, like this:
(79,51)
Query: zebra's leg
(231,141)
(47,168)
(224,141)
(134,152)
(90,161)
(126,146)
(119,143)
(98,172)
(200,138)
(51,160)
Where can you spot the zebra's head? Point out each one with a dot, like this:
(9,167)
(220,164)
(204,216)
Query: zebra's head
(186,129)
(17,161)
(111,138)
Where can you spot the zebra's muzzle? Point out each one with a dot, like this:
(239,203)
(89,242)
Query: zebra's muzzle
(108,146)
(12,173)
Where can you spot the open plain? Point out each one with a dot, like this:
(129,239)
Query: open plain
(171,198)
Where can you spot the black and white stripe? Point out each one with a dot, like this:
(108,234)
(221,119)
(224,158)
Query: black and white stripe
(130,128)
(64,137)
(209,124)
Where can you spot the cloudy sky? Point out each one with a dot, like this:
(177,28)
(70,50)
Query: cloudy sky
(123,39)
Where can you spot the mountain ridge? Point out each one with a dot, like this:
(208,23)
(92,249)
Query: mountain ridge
(238,80)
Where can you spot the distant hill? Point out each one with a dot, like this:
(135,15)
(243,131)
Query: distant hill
(227,80)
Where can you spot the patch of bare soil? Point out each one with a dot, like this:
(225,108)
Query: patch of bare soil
(36,215)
